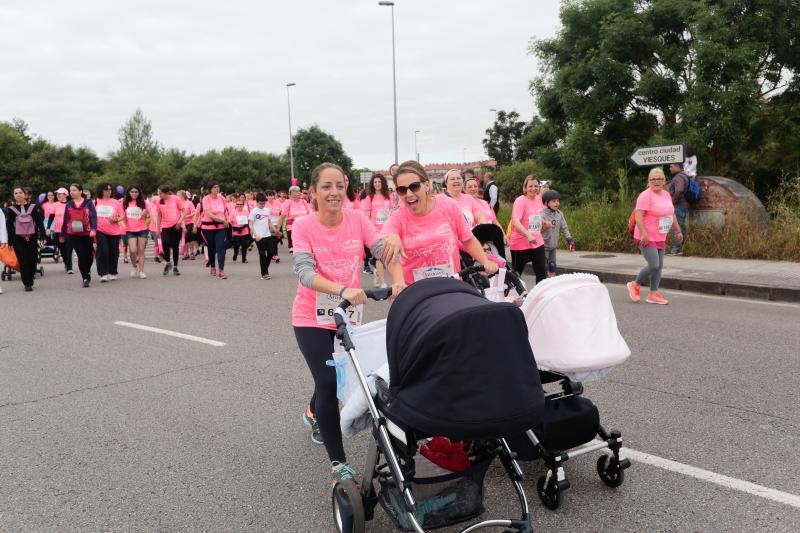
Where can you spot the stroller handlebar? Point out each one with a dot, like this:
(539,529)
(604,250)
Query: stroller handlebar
(474,269)
(340,316)
(373,294)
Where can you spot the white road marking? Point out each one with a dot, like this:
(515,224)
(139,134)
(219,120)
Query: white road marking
(170,333)
(712,477)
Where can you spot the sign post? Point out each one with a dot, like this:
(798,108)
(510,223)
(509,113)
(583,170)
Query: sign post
(365,177)
(657,155)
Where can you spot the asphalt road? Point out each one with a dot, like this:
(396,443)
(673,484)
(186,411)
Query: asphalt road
(106,428)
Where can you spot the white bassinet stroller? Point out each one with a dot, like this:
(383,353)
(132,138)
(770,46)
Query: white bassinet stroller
(444,380)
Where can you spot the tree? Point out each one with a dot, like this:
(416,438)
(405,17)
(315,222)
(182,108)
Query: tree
(136,159)
(502,138)
(313,146)
(718,75)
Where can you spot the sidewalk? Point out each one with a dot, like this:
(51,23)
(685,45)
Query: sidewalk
(744,278)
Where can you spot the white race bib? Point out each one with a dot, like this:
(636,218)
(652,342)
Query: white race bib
(326,306)
(468,215)
(664,225)
(535,223)
(436,271)
(133,212)
(104,211)
(241,220)
(382,216)
(76,226)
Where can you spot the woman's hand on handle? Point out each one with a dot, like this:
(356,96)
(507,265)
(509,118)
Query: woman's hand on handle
(490,267)
(355,296)
(397,288)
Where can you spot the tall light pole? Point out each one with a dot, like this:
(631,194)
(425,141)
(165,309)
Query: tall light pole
(394,79)
(416,150)
(291,142)
(465,156)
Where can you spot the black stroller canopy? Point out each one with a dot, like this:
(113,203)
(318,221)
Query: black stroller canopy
(460,366)
(491,233)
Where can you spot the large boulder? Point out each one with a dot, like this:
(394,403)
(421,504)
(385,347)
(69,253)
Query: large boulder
(719,195)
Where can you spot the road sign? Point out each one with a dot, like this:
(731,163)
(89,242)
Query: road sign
(657,155)
(365,177)
(393,169)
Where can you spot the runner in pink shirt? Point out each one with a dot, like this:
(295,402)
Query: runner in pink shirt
(431,228)
(239,221)
(110,227)
(655,217)
(189,239)
(472,189)
(378,205)
(55,222)
(526,242)
(135,209)
(454,183)
(213,219)
(328,248)
(170,215)
(294,208)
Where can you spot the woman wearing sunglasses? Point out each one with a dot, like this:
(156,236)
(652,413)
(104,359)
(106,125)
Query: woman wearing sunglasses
(431,229)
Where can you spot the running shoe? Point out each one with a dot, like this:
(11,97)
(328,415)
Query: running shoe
(276,259)
(634,291)
(85,283)
(125,259)
(310,421)
(656,298)
(213,272)
(167,268)
(112,277)
(142,275)
(235,257)
(70,271)
(222,275)
(105,278)
(28,288)
(176,272)
(134,273)
(341,472)
(244,260)
(157,259)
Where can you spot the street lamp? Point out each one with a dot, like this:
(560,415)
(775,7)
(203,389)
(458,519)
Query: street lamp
(465,156)
(394,79)
(291,147)
(416,150)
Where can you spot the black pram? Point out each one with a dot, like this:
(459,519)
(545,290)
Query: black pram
(446,380)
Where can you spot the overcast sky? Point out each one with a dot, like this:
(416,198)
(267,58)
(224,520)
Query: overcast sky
(213,74)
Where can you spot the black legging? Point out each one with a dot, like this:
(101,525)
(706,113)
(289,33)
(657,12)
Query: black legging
(241,242)
(28,256)
(107,254)
(83,246)
(171,241)
(65,250)
(316,344)
(267,247)
(535,256)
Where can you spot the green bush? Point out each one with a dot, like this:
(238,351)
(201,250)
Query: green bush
(509,178)
(600,225)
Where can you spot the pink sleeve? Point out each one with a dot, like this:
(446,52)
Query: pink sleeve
(366,204)
(519,208)
(300,241)
(476,208)
(393,225)
(643,202)
(460,225)
(367,230)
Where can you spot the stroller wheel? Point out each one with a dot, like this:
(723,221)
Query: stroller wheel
(41,271)
(348,507)
(550,495)
(610,471)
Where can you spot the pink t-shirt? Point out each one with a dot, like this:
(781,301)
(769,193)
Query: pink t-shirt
(189,207)
(658,216)
(170,211)
(377,208)
(338,253)
(293,210)
(152,210)
(527,211)
(275,207)
(216,206)
(58,221)
(431,241)
(238,219)
(48,208)
(469,208)
(487,210)
(109,209)
(135,218)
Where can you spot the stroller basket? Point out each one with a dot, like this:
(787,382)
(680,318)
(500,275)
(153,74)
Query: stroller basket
(441,500)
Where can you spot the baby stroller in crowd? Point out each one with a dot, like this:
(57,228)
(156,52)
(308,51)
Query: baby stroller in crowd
(427,350)
(506,287)
(8,272)
(573,332)
(49,249)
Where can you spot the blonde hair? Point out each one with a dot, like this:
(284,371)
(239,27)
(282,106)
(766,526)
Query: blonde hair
(657,171)
(529,177)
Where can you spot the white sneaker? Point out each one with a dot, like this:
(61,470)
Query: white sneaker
(142,275)
(1,290)
(134,273)
(113,277)
(105,278)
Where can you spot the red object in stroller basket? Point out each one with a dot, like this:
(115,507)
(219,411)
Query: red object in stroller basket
(449,455)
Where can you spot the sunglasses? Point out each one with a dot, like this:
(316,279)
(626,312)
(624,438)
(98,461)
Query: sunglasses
(413,187)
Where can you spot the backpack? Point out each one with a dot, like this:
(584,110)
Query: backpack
(693,191)
(75,214)
(632,222)
(24,224)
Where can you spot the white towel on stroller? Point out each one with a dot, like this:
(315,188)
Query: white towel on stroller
(572,327)
(370,347)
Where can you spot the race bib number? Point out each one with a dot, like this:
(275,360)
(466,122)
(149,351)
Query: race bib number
(104,211)
(76,226)
(664,225)
(437,271)
(382,216)
(326,307)
(468,215)
(535,223)
(133,212)
(241,220)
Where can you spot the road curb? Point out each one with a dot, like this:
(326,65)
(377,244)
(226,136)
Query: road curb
(719,288)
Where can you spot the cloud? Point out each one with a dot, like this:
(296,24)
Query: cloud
(210,75)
